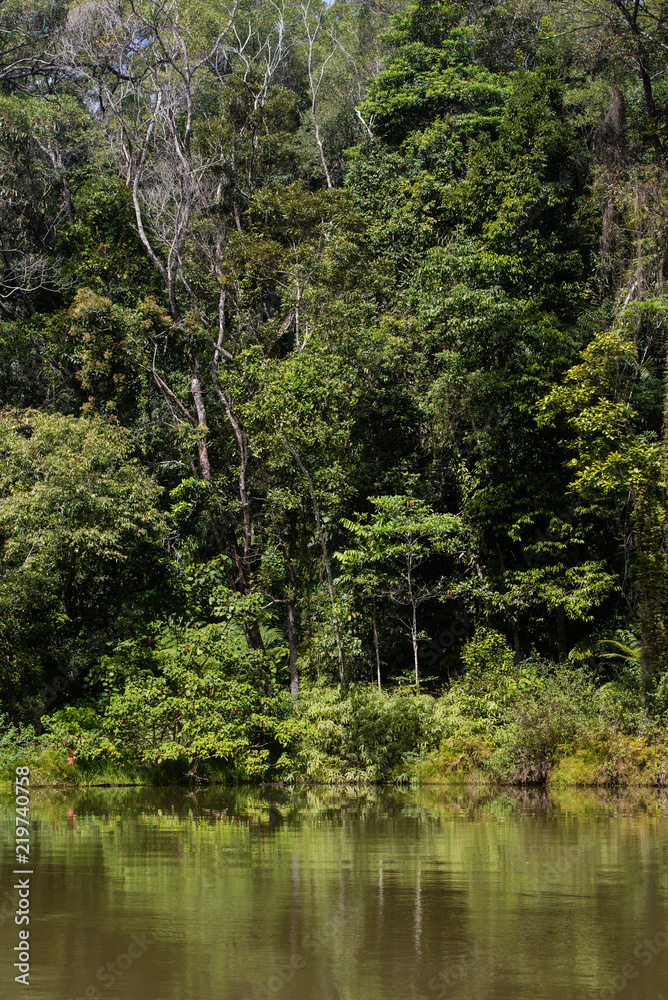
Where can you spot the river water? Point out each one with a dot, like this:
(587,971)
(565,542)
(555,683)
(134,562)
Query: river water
(323,894)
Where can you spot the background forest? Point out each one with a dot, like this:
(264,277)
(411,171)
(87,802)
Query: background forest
(333,384)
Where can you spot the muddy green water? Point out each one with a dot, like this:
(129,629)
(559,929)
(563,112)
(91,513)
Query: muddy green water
(316,894)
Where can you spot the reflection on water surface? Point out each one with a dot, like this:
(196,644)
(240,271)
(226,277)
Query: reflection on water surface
(322,894)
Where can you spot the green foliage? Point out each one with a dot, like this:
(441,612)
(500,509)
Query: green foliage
(431,75)
(70,486)
(20,746)
(76,511)
(492,677)
(110,341)
(395,543)
(366,735)
(100,250)
(544,724)
(186,701)
(377,308)
(518,723)
(615,459)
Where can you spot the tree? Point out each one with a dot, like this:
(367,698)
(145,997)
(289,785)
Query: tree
(425,111)
(149,75)
(397,541)
(27,31)
(76,509)
(486,178)
(619,472)
(302,420)
(184,699)
(634,32)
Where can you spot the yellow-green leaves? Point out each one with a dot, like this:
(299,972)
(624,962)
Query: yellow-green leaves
(70,486)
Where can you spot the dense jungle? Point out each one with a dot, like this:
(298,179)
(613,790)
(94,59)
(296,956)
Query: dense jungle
(333,390)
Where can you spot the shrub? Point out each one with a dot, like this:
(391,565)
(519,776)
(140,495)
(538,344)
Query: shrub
(183,702)
(558,714)
(48,761)
(492,678)
(513,722)
(366,735)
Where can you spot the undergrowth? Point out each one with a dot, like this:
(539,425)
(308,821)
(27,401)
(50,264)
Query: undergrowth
(500,721)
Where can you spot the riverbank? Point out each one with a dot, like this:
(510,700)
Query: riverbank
(527,724)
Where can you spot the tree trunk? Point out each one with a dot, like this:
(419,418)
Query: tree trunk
(314,85)
(198,397)
(375,644)
(70,580)
(414,638)
(642,58)
(321,148)
(292,646)
(67,201)
(241,437)
(414,628)
(646,77)
(325,559)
